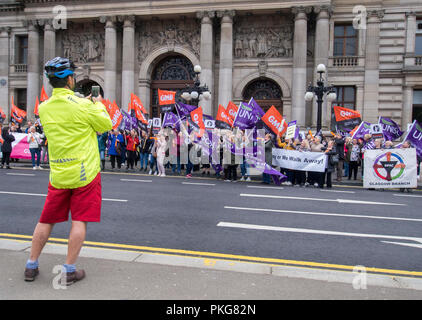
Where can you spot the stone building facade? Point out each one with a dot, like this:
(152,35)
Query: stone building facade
(266,49)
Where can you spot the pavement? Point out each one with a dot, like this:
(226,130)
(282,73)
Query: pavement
(134,273)
(126,275)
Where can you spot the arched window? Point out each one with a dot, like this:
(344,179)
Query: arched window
(171,73)
(265,92)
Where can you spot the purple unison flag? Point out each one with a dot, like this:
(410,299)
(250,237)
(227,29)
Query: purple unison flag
(246,117)
(414,135)
(184,110)
(170,120)
(256,108)
(364,128)
(390,129)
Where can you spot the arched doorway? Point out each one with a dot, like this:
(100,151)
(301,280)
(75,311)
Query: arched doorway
(84,87)
(171,73)
(265,92)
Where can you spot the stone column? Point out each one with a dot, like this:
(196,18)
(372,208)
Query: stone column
(225,82)
(371,95)
(49,51)
(128,60)
(322,45)
(406,114)
(33,74)
(299,64)
(110,58)
(207,55)
(409,59)
(4,71)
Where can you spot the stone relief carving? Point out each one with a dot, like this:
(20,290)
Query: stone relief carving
(169,33)
(256,38)
(84,46)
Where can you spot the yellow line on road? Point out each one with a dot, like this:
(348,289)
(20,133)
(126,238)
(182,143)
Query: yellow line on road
(230,256)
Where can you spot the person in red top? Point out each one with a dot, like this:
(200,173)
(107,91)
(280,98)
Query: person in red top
(132,144)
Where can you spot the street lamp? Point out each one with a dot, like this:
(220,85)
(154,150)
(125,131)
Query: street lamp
(196,92)
(318,91)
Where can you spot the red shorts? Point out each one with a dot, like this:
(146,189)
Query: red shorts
(84,203)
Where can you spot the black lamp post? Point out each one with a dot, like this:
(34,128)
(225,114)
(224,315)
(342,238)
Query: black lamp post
(196,92)
(319,91)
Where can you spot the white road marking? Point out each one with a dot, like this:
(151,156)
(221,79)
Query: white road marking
(323,214)
(21,174)
(199,183)
(262,187)
(407,195)
(135,180)
(339,191)
(23,194)
(405,244)
(115,200)
(313,231)
(318,199)
(44,195)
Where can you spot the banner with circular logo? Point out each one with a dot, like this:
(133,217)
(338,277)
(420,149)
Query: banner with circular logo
(390,168)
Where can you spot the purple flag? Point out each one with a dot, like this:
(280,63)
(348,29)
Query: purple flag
(256,108)
(390,129)
(246,117)
(184,110)
(170,120)
(364,128)
(414,135)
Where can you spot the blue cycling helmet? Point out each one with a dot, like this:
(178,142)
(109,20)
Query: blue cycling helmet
(59,68)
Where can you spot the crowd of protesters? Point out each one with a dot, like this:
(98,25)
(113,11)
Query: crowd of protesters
(126,149)
(344,156)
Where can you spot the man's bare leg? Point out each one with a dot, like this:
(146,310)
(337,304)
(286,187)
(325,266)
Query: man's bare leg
(39,239)
(76,240)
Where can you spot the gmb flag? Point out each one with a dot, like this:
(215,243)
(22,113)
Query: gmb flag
(222,119)
(346,119)
(274,120)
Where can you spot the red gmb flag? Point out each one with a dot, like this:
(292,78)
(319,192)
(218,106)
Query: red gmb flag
(44,95)
(274,120)
(2,114)
(37,104)
(17,113)
(222,119)
(136,103)
(166,97)
(116,115)
(343,114)
(137,106)
(197,117)
(231,112)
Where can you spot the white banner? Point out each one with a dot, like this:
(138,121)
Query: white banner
(298,160)
(390,168)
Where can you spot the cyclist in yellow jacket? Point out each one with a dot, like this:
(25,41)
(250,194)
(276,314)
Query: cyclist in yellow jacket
(70,124)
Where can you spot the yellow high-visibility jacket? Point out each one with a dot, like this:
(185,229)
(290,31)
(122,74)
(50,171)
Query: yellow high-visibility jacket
(70,124)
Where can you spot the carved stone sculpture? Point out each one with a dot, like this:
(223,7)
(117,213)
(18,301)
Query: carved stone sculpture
(169,33)
(254,38)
